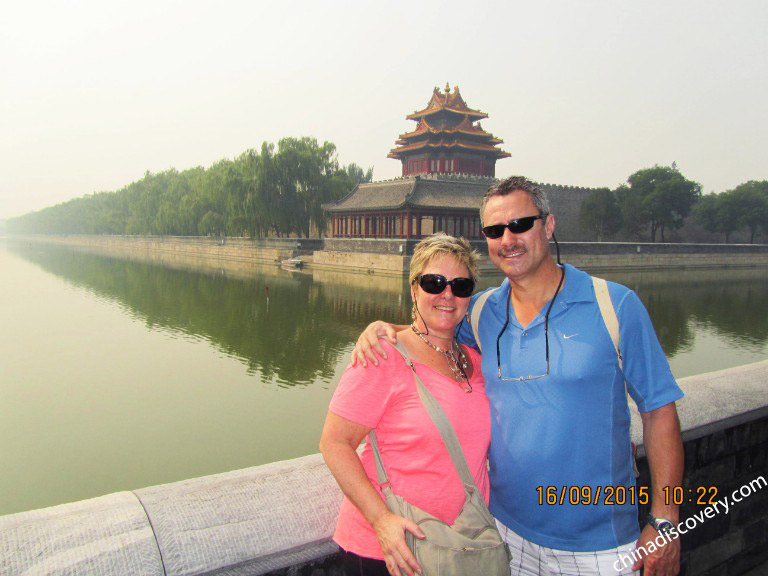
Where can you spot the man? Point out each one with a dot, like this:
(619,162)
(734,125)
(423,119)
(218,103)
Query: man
(562,483)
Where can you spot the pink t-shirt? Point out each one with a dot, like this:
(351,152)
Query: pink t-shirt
(385,398)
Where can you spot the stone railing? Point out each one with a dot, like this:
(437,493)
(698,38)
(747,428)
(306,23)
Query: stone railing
(278,518)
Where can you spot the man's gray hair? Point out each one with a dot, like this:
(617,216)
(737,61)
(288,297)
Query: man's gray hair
(513,184)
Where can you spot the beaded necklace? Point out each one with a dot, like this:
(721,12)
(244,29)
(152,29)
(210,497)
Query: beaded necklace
(454,356)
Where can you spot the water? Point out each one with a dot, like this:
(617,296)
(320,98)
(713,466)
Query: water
(117,375)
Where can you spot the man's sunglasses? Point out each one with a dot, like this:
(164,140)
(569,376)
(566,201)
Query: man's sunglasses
(515,226)
(436,283)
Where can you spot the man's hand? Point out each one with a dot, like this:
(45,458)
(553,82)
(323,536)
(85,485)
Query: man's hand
(390,530)
(664,449)
(664,560)
(368,346)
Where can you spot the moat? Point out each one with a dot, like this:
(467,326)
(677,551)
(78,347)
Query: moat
(119,374)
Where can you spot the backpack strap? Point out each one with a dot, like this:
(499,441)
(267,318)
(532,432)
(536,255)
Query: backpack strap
(608,313)
(474,319)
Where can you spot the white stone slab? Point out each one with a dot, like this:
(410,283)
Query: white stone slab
(107,536)
(716,396)
(248,521)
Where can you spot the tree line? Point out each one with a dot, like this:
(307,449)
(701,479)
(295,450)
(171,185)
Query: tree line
(276,191)
(658,200)
(279,191)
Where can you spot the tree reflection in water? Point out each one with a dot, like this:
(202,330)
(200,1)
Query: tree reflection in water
(295,328)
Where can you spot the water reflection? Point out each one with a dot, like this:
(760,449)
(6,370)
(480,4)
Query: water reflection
(283,325)
(731,303)
(293,328)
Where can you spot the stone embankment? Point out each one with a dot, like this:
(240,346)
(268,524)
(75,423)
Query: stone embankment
(277,519)
(392,256)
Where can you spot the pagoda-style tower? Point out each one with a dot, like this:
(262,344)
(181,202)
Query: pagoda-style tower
(448,139)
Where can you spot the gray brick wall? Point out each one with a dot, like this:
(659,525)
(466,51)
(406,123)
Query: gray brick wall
(728,457)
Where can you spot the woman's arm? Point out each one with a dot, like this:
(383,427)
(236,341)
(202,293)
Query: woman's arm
(338,444)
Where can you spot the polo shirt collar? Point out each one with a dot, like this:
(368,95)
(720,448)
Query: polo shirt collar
(577,288)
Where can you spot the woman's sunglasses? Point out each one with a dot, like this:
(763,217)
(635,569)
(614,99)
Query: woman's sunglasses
(515,226)
(436,283)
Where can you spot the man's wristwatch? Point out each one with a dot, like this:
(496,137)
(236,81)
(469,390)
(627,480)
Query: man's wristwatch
(661,525)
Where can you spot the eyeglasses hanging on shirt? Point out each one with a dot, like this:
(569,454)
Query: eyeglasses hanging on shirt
(546,336)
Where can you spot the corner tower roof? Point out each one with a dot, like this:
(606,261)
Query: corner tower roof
(446,127)
(447,101)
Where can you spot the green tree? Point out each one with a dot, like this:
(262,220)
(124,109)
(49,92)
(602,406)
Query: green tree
(357,174)
(634,216)
(752,201)
(746,206)
(308,175)
(212,223)
(718,213)
(659,197)
(600,213)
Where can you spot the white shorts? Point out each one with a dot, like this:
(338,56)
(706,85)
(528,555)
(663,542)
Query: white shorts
(529,559)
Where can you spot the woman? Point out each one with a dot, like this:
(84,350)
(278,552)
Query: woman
(442,277)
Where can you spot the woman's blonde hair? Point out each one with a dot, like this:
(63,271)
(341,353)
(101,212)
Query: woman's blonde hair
(442,244)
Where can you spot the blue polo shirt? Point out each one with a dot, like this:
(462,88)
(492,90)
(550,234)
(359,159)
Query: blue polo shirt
(566,436)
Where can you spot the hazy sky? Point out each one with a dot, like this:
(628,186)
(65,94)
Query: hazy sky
(93,94)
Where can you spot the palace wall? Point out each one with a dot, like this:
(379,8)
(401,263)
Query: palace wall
(565,202)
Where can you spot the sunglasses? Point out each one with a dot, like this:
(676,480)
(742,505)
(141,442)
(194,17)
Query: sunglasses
(515,226)
(436,283)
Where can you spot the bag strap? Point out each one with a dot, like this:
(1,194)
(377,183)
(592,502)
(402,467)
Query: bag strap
(442,423)
(474,319)
(381,473)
